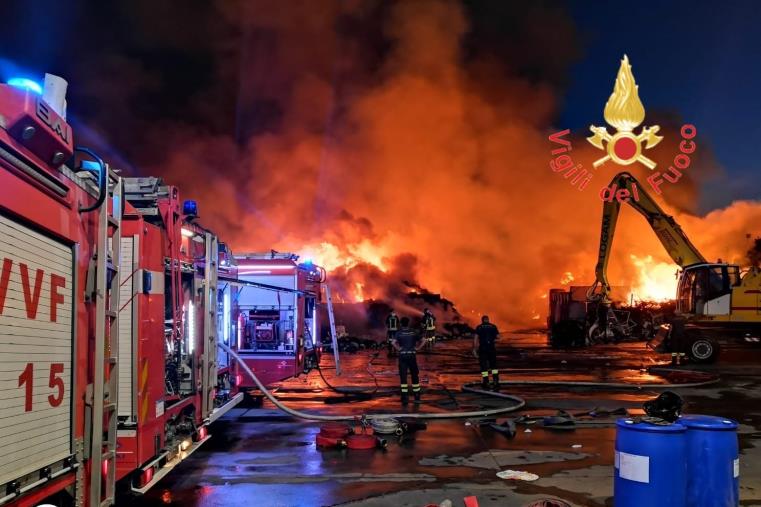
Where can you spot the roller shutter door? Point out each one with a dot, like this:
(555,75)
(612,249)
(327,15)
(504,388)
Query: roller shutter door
(36,348)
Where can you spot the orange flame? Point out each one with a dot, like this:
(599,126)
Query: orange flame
(657,280)
(359,292)
(331,257)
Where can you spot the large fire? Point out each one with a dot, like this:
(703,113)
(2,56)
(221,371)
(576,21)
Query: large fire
(657,280)
(332,257)
(428,167)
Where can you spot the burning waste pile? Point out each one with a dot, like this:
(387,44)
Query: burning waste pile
(408,137)
(364,295)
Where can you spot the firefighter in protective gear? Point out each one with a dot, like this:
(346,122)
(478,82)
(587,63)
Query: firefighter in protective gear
(485,348)
(429,329)
(407,342)
(392,326)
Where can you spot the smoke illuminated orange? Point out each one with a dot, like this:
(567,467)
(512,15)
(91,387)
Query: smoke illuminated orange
(430,171)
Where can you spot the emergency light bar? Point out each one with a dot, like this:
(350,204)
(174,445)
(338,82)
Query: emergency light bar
(25,84)
(190,208)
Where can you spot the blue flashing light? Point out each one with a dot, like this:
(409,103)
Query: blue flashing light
(308,261)
(190,208)
(25,84)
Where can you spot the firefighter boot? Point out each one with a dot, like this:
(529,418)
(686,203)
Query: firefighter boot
(405,398)
(484,381)
(416,392)
(495,386)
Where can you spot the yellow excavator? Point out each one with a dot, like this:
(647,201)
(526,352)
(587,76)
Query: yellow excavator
(716,303)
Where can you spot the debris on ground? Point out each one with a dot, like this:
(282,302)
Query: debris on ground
(598,412)
(517,474)
(562,420)
(412,425)
(549,502)
(470,501)
(507,428)
(485,421)
(445,503)
(667,406)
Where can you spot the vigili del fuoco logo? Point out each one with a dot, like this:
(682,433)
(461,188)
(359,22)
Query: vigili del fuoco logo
(623,112)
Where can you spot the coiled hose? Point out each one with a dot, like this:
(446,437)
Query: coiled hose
(518,403)
(386,426)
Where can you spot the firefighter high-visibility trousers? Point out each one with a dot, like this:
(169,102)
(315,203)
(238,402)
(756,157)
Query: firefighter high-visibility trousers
(487,360)
(408,363)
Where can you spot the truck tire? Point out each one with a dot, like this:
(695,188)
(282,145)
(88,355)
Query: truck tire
(595,335)
(703,350)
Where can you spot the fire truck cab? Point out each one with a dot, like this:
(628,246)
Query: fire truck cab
(57,305)
(277,320)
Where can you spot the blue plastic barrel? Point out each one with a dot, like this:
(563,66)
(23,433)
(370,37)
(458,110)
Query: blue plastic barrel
(650,465)
(713,463)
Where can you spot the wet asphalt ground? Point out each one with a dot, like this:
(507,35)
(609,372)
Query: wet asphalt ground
(260,456)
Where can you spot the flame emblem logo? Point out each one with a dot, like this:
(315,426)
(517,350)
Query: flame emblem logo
(624,112)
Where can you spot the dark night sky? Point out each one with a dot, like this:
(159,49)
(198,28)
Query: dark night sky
(700,59)
(697,59)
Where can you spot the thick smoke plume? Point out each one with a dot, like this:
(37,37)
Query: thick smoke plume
(401,144)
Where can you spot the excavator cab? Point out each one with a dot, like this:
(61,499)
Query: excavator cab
(706,289)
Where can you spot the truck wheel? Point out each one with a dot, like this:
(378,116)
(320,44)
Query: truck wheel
(703,350)
(595,335)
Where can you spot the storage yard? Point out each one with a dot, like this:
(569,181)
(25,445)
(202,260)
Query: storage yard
(259,452)
(419,253)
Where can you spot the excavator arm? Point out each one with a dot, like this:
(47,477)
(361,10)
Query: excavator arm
(670,234)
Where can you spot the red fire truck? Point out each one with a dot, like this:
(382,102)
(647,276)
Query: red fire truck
(170,320)
(277,325)
(56,413)
(110,317)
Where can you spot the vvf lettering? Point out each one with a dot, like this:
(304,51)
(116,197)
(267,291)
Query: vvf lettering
(32,288)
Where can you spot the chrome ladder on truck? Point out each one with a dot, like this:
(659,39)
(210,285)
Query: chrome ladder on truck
(333,336)
(105,387)
(209,366)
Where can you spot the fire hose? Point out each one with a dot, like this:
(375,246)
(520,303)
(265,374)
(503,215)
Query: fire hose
(386,426)
(353,392)
(518,403)
(471,387)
